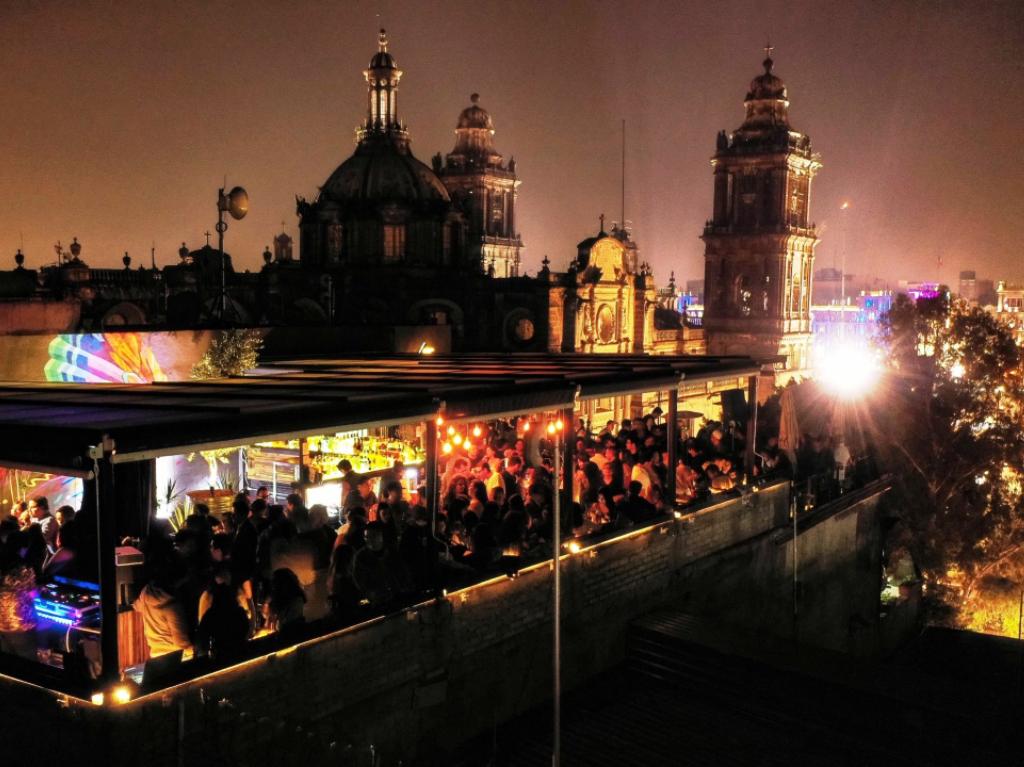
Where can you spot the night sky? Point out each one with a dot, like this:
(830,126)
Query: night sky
(118,121)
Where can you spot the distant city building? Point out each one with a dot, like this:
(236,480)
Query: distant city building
(695,288)
(1010,306)
(856,322)
(918,289)
(759,243)
(978,292)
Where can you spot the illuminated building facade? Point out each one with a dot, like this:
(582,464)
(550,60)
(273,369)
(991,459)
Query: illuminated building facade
(1010,306)
(485,188)
(389,246)
(759,243)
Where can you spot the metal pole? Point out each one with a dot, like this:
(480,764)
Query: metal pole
(430,434)
(106,523)
(221,228)
(672,438)
(796,584)
(748,459)
(556,752)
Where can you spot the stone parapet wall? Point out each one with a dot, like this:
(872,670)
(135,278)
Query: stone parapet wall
(413,685)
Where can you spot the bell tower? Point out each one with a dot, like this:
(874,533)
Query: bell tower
(382,78)
(759,244)
(486,187)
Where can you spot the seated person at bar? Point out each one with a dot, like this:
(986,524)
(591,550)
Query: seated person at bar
(164,620)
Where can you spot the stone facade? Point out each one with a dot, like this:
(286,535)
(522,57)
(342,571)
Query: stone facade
(759,243)
(387,242)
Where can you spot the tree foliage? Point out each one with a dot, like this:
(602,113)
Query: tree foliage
(231,353)
(949,426)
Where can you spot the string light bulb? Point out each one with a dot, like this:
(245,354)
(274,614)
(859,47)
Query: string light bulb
(476,430)
(451,430)
(526,426)
(457,439)
(446,448)
(551,427)
(440,421)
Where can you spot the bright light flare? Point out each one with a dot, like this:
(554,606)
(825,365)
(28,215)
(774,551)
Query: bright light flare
(446,448)
(121,694)
(847,370)
(957,370)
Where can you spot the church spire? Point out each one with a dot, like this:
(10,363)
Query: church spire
(382,77)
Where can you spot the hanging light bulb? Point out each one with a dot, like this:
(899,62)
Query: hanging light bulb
(440,421)
(559,424)
(551,427)
(446,448)
(476,430)
(457,439)
(526,426)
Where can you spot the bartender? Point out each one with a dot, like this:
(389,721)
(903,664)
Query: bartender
(347,479)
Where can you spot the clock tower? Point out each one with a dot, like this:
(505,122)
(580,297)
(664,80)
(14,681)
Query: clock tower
(759,244)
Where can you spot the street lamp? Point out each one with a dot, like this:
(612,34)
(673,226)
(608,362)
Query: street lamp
(236,204)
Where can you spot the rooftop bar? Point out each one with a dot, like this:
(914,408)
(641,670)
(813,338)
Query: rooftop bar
(135,460)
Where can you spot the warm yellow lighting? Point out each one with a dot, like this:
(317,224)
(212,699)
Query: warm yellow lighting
(446,448)
(845,205)
(440,421)
(97,698)
(467,444)
(457,439)
(121,694)
(957,370)
(451,430)
(526,426)
(476,431)
(677,514)
(551,428)
(559,424)
(426,348)
(573,546)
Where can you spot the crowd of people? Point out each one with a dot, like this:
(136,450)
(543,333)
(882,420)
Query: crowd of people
(220,580)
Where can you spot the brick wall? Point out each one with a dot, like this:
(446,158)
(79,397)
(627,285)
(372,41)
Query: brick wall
(413,685)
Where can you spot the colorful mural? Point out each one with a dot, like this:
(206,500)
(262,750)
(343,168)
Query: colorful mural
(103,358)
(19,485)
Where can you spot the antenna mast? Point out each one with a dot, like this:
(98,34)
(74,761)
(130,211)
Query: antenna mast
(622,225)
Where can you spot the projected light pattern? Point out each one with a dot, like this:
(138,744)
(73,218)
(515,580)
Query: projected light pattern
(125,358)
(19,485)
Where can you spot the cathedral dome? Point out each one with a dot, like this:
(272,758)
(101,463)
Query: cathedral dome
(766,86)
(382,171)
(475,116)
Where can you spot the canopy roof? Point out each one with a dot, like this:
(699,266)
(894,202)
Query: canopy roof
(52,426)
